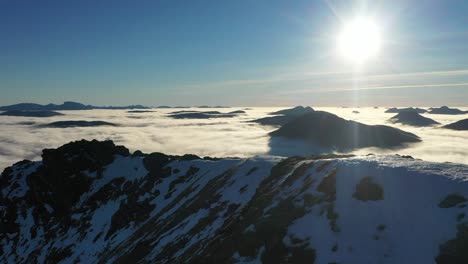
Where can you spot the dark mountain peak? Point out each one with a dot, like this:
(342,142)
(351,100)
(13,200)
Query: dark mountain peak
(333,132)
(459,125)
(73,104)
(445,110)
(283,117)
(83,154)
(409,109)
(295,111)
(21,106)
(412,119)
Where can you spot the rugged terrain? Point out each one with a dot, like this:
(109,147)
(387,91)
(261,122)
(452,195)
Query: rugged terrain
(94,202)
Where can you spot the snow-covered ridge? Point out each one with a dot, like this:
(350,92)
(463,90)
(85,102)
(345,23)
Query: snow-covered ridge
(94,202)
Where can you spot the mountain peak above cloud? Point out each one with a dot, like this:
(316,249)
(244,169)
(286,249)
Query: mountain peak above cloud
(412,119)
(332,132)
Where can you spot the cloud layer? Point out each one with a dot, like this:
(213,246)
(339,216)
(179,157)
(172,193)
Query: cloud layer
(221,137)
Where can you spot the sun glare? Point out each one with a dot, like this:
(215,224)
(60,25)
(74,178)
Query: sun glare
(359,40)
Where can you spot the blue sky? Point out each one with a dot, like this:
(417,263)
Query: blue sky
(255,53)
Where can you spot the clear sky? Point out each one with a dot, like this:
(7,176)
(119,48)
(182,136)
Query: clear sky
(240,53)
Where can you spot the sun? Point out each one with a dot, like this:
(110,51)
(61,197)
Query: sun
(359,40)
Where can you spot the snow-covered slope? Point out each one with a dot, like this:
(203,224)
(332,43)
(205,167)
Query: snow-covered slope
(94,202)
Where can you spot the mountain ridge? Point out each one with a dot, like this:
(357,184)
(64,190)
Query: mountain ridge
(66,106)
(95,202)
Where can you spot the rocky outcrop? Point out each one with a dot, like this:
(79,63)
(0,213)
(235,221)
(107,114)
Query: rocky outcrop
(94,202)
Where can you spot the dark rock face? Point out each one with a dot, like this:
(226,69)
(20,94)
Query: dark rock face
(31,113)
(78,123)
(444,110)
(459,125)
(330,131)
(455,251)
(368,190)
(412,119)
(62,171)
(94,202)
(403,110)
(452,200)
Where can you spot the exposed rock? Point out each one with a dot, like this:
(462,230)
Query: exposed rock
(455,251)
(93,202)
(368,190)
(452,200)
(328,186)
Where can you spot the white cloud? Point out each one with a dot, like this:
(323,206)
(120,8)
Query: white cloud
(154,132)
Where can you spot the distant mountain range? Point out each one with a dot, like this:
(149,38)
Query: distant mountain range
(444,110)
(65,106)
(409,109)
(37,113)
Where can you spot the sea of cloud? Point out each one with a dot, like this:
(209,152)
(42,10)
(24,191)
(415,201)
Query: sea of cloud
(24,137)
